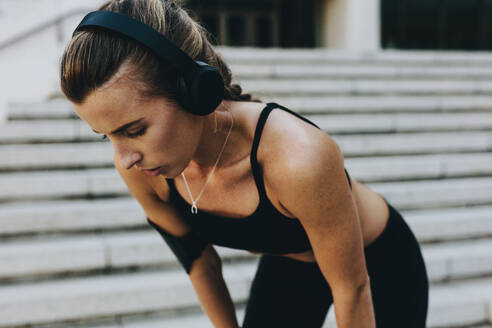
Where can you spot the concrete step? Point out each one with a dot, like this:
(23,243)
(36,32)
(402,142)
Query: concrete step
(406,127)
(305,87)
(331,71)
(63,110)
(466,312)
(106,296)
(398,122)
(473,306)
(458,260)
(194,320)
(41,258)
(36,259)
(100,155)
(76,299)
(70,216)
(107,182)
(58,184)
(436,194)
(417,167)
(82,216)
(54,109)
(367,169)
(446,224)
(200,320)
(414,143)
(56,156)
(319,56)
(40,131)
(382,104)
(60,131)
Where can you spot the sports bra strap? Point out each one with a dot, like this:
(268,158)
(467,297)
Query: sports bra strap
(296,114)
(256,140)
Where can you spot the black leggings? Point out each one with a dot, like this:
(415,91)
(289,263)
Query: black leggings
(291,293)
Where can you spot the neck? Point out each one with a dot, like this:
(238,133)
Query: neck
(211,143)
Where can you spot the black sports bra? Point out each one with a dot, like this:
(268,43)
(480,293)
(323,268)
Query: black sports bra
(266,230)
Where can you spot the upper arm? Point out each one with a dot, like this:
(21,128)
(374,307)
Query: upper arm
(311,183)
(164,217)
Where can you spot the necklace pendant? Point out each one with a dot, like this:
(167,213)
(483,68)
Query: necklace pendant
(194,209)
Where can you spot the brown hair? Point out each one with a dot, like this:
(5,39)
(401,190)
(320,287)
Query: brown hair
(94,56)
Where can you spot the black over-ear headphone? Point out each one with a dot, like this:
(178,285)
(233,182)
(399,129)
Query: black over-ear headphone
(200,87)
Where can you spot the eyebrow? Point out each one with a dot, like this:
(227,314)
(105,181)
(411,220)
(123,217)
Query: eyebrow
(123,127)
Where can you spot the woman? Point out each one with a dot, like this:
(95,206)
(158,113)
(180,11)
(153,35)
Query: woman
(206,179)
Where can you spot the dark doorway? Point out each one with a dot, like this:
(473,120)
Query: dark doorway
(437,24)
(257,23)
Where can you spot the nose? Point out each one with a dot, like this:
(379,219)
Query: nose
(126,156)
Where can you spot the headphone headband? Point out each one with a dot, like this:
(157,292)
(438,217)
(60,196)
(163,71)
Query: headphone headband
(140,32)
(200,87)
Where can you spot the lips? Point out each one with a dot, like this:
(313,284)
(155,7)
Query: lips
(155,171)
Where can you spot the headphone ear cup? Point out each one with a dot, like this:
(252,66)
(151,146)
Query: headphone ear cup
(207,90)
(204,94)
(183,94)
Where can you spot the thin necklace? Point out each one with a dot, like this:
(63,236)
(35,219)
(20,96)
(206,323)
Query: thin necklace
(194,208)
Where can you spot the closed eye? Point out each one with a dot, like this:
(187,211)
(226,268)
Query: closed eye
(136,134)
(130,135)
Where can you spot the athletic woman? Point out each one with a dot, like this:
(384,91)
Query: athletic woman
(210,165)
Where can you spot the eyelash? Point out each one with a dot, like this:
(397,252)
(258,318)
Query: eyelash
(136,134)
(130,135)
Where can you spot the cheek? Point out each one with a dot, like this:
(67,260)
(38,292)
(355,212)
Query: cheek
(160,140)
(165,141)
(175,138)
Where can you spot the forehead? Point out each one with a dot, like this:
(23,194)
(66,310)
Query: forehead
(112,105)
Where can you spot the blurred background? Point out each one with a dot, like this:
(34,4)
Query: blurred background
(403,86)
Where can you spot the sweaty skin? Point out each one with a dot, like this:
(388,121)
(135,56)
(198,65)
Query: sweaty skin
(237,182)
(178,141)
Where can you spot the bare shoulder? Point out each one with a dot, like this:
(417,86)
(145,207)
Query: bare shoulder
(157,209)
(292,149)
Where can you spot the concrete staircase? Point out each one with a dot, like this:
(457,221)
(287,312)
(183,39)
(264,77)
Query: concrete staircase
(76,251)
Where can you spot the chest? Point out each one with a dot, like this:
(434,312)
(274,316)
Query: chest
(233,194)
(239,216)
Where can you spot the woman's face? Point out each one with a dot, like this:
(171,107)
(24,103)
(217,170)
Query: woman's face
(146,133)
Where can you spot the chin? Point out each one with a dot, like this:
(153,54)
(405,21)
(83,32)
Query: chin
(169,173)
(178,170)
